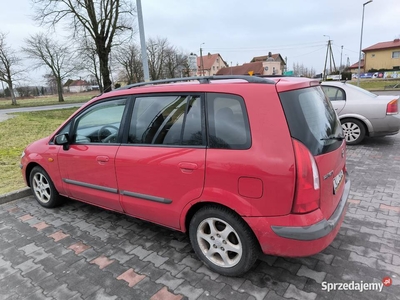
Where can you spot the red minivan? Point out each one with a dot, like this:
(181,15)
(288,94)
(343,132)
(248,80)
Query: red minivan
(242,164)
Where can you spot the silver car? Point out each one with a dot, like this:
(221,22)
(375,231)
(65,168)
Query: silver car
(363,113)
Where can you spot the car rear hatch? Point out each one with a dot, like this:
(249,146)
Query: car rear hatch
(318,146)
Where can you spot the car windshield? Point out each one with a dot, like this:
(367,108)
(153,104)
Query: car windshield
(365,92)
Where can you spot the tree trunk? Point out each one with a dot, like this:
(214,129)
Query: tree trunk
(60,90)
(13,99)
(104,70)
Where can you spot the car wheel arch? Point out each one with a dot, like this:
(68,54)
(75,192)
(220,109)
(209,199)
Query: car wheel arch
(29,169)
(367,124)
(191,211)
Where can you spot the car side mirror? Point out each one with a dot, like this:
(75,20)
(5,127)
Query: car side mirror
(62,139)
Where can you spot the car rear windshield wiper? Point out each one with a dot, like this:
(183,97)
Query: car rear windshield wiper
(332,137)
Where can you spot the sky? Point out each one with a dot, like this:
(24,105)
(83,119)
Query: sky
(239,30)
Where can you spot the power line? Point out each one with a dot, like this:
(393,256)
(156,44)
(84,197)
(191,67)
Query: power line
(261,49)
(310,52)
(287,46)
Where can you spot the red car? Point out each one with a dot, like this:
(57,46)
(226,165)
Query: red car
(242,164)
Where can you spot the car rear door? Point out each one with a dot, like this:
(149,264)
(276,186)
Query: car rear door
(160,167)
(336,95)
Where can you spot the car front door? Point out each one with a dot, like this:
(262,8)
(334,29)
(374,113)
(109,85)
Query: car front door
(336,95)
(87,167)
(160,167)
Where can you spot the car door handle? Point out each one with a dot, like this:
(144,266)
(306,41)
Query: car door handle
(187,166)
(102,159)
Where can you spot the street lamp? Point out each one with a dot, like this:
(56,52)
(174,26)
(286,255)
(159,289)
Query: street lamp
(359,57)
(142,41)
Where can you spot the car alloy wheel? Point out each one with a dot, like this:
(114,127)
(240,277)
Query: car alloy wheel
(219,242)
(43,188)
(223,240)
(354,131)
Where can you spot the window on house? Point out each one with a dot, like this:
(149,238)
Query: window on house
(217,60)
(213,67)
(396,54)
(372,55)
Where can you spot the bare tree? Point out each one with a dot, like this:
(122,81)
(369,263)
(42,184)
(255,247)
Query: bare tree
(9,66)
(102,20)
(301,70)
(156,52)
(174,63)
(130,60)
(57,58)
(89,60)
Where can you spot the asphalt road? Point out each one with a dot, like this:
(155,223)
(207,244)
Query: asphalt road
(5,113)
(397,93)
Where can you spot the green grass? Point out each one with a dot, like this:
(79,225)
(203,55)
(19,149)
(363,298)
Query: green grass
(16,134)
(375,84)
(48,100)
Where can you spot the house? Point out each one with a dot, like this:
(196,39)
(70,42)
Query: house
(384,55)
(210,64)
(76,86)
(273,64)
(253,68)
(354,67)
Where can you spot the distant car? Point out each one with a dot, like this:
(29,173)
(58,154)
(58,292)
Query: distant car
(363,113)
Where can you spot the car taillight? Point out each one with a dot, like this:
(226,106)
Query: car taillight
(307,194)
(392,107)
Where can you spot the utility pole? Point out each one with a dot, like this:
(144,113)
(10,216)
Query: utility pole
(331,58)
(326,56)
(201,61)
(340,66)
(142,41)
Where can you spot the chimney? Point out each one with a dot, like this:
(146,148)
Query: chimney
(209,54)
(396,40)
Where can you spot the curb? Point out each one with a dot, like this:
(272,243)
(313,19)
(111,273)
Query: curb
(25,192)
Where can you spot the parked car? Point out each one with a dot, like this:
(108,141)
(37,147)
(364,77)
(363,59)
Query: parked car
(242,164)
(363,113)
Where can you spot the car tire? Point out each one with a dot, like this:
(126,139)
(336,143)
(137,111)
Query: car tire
(354,131)
(43,188)
(223,241)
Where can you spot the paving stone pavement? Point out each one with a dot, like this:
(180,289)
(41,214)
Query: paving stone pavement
(78,251)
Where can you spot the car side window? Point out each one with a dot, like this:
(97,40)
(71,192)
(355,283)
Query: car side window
(334,93)
(167,120)
(228,123)
(100,123)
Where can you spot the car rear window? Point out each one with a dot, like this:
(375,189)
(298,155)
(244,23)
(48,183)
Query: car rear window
(312,119)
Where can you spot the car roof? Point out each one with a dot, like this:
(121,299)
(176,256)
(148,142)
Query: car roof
(209,84)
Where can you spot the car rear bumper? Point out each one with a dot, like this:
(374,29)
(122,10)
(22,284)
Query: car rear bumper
(299,235)
(387,126)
